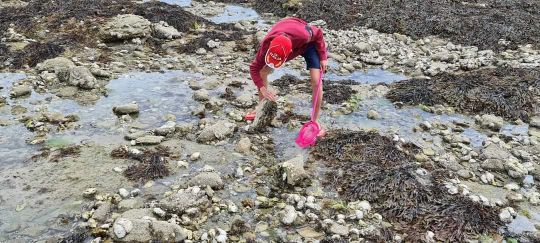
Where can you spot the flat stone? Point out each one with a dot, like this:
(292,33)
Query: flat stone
(309,233)
(126,109)
(204,179)
(182,200)
(149,140)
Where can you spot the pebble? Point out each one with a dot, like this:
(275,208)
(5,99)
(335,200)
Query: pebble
(183,164)
(195,156)
(507,214)
(135,192)
(123,192)
(511,186)
(122,227)
(90,192)
(373,115)
(159,212)
(289,214)
(487,178)
(117,170)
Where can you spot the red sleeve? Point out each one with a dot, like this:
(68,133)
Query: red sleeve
(256,66)
(320,44)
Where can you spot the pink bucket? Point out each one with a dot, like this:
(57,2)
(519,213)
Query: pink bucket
(308,133)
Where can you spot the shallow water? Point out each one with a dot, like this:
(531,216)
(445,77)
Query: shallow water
(235,13)
(181,3)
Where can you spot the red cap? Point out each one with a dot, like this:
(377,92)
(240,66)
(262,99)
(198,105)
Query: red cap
(278,51)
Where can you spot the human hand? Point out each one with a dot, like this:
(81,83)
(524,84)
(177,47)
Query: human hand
(266,93)
(324,65)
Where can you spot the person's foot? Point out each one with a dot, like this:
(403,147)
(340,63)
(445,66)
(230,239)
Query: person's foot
(250,116)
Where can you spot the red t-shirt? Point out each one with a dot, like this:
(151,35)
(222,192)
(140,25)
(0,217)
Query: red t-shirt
(296,30)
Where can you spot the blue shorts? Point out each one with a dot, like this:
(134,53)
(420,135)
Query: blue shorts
(312,57)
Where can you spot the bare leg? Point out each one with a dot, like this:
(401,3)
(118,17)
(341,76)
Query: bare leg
(315,74)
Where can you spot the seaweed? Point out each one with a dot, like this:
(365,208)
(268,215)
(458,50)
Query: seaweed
(34,53)
(368,166)
(475,23)
(335,92)
(152,163)
(508,92)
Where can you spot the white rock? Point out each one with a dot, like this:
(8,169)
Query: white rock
(123,192)
(288,214)
(487,178)
(507,214)
(122,227)
(183,164)
(159,212)
(195,156)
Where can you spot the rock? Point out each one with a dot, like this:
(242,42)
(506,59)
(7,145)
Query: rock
(309,233)
(58,65)
(465,174)
(494,156)
(362,47)
(515,197)
(20,90)
(492,122)
(122,227)
(195,156)
(487,178)
(135,192)
(53,117)
(204,179)
(288,215)
(373,115)
(140,230)
(507,214)
(201,95)
(129,204)
(338,229)
(100,214)
(292,171)
(534,132)
(265,113)
(218,131)
(535,122)
(126,27)
(213,44)
(528,181)
(159,212)
(244,101)
(165,31)
(82,78)
(183,128)
(123,192)
(90,192)
(167,232)
(126,109)
(243,146)
(135,135)
(149,140)
(515,168)
(167,129)
(184,199)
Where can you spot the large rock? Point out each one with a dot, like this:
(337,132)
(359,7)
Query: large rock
(266,111)
(149,140)
(20,90)
(139,225)
(292,171)
(125,27)
(492,122)
(165,31)
(82,78)
(126,109)
(100,214)
(495,157)
(243,146)
(167,129)
(204,179)
(185,199)
(535,122)
(57,65)
(218,131)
